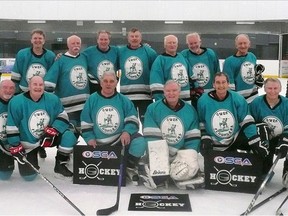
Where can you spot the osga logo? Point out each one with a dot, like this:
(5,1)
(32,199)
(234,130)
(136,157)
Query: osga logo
(38,120)
(78,77)
(247,72)
(35,69)
(133,68)
(172,129)
(3,121)
(104,66)
(274,124)
(202,73)
(223,123)
(108,119)
(179,74)
(233,160)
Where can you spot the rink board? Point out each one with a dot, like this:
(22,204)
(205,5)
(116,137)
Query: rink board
(232,171)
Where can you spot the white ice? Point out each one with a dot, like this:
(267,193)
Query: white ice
(39,198)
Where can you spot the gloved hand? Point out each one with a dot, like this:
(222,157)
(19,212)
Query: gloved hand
(18,152)
(257,146)
(195,93)
(259,69)
(48,138)
(282,146)
(206,145)
(259,80)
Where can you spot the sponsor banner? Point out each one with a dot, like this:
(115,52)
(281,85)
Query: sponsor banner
(232,171)
(160,202)
(97,166)
(6,65)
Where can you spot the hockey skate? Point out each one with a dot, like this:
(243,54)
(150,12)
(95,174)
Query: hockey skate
(132,175)
(60,169)
(42,152)
(285,174)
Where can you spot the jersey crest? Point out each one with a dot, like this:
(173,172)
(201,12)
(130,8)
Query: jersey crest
(104,66)
(78,77)
(35,69)
(247,72)
(179,74)
(3,120)
(202,73)
(133,68)
(172,129)
(108,119)
(274,124)
(38,120)
(223,123)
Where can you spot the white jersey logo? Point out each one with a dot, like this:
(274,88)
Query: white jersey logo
(222,123)
(38,120)
(202,73)
(104,66)
(179,74)
(78,77)
(172,129)
(3,121)
(274,124)
(133,68)
(108,119)
(247,72)
(35,69)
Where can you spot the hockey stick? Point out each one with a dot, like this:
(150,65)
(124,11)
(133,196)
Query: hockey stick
(263,202)
(53,186)
(278,211)
(269,174)
(110,210)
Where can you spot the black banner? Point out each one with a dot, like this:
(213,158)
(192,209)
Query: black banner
(160,202)
(232,171)
(97,166)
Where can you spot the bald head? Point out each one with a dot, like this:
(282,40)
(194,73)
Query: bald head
(7,89)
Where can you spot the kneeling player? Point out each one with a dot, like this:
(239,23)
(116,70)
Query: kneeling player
(173,125)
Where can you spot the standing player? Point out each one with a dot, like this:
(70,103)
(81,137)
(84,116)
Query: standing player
(135,63)
(203,62)
(7,90)
(110,118)
(68,78)
(176,122)
(37,118)
(170,65)
(31,61)
(240,68)
(225,121)
(101,58)
(272,108)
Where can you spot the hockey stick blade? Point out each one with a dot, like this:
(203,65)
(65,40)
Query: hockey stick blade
(53,186)
(110,210)
(252,203)
(279,211)
(263,202)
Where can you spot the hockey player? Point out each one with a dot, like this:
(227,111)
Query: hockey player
(176,122)
(135,63)
(272,108)
(7,90)
(31,61)
(102,57)
(241,70)
(37,118)
(68,78)
(203,62)
(170,65)
(110,118)
(225,121)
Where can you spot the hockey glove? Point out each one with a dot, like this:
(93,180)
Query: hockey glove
(49,137)
(195,93)
(282,146)
(259,69)
(257,146)
(206,145)
(18,152)
(259,80)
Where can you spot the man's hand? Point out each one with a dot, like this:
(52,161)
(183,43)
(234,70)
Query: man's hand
(92,142)
(125,138)
(18,152)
